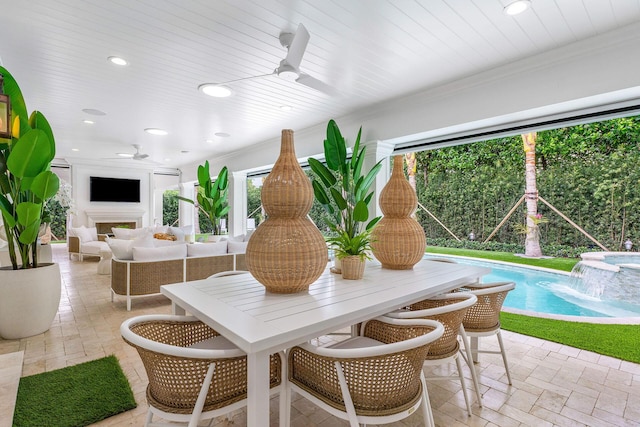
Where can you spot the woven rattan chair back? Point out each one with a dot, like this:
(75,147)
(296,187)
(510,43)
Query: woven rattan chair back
(449,310)
(484,315)
(381,381)
(176,371)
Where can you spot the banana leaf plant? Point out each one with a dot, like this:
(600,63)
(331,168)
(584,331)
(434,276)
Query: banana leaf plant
(212,199)
(342,188)
(26,180)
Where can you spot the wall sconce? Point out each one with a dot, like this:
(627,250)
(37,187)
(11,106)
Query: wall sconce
(472,236)
(5,112)
(628,244)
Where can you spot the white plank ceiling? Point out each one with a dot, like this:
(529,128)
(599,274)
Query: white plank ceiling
(369,50)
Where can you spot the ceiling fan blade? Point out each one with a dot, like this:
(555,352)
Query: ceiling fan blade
(295,51)
(139,156)
(316,84)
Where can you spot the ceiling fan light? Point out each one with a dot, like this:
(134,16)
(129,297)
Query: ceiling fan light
(215,90)
(287,72)
(127,155)
(118,61)
(517,7)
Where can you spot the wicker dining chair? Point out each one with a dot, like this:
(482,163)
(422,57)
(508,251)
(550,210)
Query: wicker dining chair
(374,378)
(448,309)
(483,318)
(194,373)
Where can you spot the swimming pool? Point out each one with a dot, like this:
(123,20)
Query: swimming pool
(546,292)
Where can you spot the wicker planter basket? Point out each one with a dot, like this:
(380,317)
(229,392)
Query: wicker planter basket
(352,267)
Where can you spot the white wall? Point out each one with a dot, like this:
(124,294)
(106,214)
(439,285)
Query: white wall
(82,171)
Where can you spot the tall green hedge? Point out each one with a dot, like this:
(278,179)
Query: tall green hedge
(589,172)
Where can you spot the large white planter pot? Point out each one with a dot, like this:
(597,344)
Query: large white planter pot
(29,300)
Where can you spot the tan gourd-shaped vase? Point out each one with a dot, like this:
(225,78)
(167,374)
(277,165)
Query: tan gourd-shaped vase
(398,240)
(287,252)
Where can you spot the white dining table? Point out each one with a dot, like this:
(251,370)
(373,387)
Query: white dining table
(261,322)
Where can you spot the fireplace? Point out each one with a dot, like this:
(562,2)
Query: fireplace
(104,220)
(105,227)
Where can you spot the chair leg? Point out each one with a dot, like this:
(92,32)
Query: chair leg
(427,411)
(469,359)
(504,356)
(464,385)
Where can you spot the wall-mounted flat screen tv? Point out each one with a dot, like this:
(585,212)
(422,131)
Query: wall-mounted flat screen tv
(114,189)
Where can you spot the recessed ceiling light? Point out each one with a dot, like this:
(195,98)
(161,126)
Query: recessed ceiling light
(75,149)
(222,134)
(94,112)
(88,122)
(215,90)
(167,159)
(286,107)
(209,141)
(155,131)
(517,7)
(118,61)
(125,154)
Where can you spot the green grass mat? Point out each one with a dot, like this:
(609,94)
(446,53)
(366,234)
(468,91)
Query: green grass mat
(73,396)
(619,341)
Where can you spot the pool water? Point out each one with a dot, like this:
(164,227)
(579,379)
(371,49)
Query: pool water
(545,292)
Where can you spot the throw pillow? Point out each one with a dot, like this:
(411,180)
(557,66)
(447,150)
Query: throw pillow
(121,233)
(85,234)
(120,248)
(207,249)
(161,253)
(236,247)
(177,231)
(123,248)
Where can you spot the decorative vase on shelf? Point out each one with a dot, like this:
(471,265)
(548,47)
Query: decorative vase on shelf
(352,267)
(287,252)
(398,239)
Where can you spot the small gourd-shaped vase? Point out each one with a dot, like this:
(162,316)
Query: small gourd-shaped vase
(287,252)
(398,240)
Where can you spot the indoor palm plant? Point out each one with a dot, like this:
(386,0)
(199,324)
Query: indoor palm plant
(29,292)
(212,200)
(342,188)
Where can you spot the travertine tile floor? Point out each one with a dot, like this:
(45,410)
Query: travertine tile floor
(553,385)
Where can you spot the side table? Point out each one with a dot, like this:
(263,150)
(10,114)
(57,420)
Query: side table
(104,265)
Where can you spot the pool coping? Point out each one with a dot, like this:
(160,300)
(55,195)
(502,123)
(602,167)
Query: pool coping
(580,319)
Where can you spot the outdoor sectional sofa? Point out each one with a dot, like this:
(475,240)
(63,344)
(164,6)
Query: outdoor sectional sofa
(153,267)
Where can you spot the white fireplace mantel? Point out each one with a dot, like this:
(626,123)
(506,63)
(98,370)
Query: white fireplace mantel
(109,215)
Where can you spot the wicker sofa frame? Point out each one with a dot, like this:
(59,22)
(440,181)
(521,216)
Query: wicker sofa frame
(141,278)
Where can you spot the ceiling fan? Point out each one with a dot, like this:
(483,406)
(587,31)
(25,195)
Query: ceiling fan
(289,67)
(134,156)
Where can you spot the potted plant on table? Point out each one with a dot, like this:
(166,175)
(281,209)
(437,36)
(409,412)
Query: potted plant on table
(212,200)
(29,290)
(342,188)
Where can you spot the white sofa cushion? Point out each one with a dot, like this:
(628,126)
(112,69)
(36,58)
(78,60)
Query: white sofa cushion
(236,247)
(94,248)
(123,248)
(180,232)
(85,234)
(129,233)
(160,254)
(206,249)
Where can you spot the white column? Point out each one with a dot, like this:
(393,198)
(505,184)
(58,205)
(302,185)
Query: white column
(376,151)
(238,202)
(186,211)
